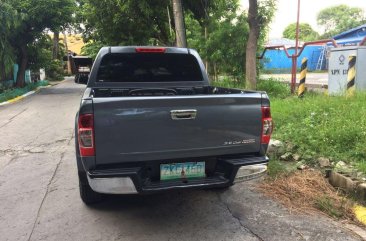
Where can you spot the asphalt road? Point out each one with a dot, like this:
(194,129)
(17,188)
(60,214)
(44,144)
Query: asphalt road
(39,196)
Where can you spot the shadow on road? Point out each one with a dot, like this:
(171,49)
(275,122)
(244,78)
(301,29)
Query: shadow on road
(188,211)
(61,91)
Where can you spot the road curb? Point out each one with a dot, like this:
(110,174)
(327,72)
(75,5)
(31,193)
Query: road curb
(357,188)
(354,188)
(18,98)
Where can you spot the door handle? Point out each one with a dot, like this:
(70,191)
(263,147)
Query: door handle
(183,114)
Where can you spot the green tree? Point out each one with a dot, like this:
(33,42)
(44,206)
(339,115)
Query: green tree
(224,44)
(128,22)
(214,27)
(340,18)
(40,56)
(8,20)
(37,16)
(306,32)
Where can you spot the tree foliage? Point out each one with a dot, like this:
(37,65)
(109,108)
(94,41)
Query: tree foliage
(36,16)
(216,28)
(116,22)
(224,45)
(306,32)
(8,20)
(340,18)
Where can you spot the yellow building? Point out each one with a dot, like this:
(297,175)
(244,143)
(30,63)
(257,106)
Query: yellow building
(74,42)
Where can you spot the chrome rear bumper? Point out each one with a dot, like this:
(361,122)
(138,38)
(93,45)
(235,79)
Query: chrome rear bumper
(113,185)
(131,181)
(250,172)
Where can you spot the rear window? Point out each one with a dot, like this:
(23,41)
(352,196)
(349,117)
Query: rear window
(149,67)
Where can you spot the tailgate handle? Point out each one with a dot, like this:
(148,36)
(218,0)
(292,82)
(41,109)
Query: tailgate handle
(183,114)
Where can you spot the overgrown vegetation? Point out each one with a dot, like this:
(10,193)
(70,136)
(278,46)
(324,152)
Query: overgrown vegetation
(319,125)
(277,168)
(13,93)
(275,89)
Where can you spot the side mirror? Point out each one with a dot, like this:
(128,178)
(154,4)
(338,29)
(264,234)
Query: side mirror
(81,79)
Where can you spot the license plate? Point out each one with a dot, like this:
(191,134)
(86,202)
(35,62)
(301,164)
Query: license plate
(182,170)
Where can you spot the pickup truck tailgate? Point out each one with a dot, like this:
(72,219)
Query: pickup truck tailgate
(168,127)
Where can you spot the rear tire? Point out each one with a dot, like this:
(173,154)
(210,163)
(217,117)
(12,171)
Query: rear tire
(87,194)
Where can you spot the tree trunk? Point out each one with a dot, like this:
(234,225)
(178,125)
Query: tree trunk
(56,39)
(206,37)
(67,54)
(2,71)
(180,31)
(251,52)
(215,73)
(23,66)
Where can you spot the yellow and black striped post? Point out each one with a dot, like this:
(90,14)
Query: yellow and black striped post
(304,70)
(351,75)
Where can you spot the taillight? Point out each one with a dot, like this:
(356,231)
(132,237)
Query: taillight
(267,125)
(150,50)
(86,135)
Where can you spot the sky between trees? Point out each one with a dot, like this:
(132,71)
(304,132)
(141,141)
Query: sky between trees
(287,11)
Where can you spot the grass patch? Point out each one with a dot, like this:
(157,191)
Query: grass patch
(361,165)
(273,87)
(277,168)
(228,82)
(15,92)
(319,125)
(327,205)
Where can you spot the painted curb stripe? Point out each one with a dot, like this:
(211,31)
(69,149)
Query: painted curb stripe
(18,98)
(351,74)
(304,70)
(360,213)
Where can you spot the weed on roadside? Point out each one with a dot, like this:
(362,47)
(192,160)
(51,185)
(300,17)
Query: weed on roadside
(277,168)
(308,192)
(319,125)
(273,87)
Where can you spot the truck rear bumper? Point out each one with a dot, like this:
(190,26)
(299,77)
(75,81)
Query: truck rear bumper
(130,181)
(112,185)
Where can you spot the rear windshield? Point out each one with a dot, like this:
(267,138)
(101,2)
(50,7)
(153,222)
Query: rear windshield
(149,67)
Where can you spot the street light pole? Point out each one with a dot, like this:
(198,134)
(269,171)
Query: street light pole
(294,56)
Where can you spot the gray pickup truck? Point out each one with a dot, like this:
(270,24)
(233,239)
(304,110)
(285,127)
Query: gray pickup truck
(149,121)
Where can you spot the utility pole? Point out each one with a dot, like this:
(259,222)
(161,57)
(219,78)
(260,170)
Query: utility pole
(294,56)
(180,30)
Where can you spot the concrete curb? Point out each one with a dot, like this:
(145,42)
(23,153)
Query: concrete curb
(18,98)
(355,188)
